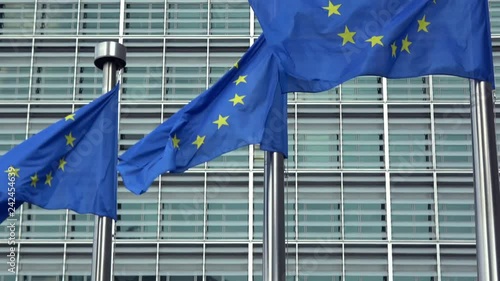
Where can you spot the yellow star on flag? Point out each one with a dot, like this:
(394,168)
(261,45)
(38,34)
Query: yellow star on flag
(48,179)
(236,64)
(332,9)
(13,170)
(70,139)
(406,45)
(176,141)
(376,40)
(422,25)
(62,162)
(241,79)
(199,141)
(394,49)
(237,99)
(221,121)
(34,180)
(70,117)
(347,36)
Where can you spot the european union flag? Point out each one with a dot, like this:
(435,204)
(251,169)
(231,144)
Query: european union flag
(244,107)
(69,165)
(322,43)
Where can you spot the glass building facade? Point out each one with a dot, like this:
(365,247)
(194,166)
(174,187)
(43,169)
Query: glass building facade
(378,182)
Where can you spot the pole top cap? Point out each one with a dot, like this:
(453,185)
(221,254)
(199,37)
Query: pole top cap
(110,51)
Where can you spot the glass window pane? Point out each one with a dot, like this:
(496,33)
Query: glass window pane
(99,17)
(453,136)
(456,207)
(80,226)
(458,263)
(320,262)
(187,17)
(137,219)
(410,144)
(362,88)
(88,77)
(142,77)
(15,66)
(366,262)
(229,17)
(13,131)
(227,262)
(182,206)
(414,263)
(319,206)
(134,260)
(412,208)
(330,95)
(78,260)
(144,18)
(186,69)
(227,206)
(180,260)
(53,70)
(364,206)
(450,88)
(41,260)
(16,17)
(318,136)
(363,137)
(411,89)
(56,17)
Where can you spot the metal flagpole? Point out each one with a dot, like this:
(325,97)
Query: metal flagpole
(110,57)
(486,184)
(273,256)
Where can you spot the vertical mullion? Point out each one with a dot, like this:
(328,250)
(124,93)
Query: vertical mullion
(78,9)
(342,212)
(65,249)
(252,22)
(207,78)
(121,25)
(159,185)
(75,70)
(32,68)
(390,269)
(341,143)
(387,181)
(163,73)
(250,261)
(438,261)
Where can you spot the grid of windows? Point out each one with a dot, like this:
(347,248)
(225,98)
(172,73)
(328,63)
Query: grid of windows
(372,161)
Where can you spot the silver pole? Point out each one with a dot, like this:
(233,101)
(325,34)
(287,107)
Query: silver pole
(273,256)
(486,184)
(109,57)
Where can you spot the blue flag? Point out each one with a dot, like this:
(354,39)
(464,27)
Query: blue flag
(244,107)
(323,43)
(69,165)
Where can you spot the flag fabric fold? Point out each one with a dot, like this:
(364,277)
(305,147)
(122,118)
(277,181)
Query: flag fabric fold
(69,165)
(244,107)
(323,43)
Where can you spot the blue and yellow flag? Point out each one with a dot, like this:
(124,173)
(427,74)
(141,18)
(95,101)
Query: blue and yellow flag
(322,43)
(69,165)
(244,107)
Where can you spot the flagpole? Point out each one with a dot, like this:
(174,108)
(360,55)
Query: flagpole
(273,256)
(110,57)
(486,182)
